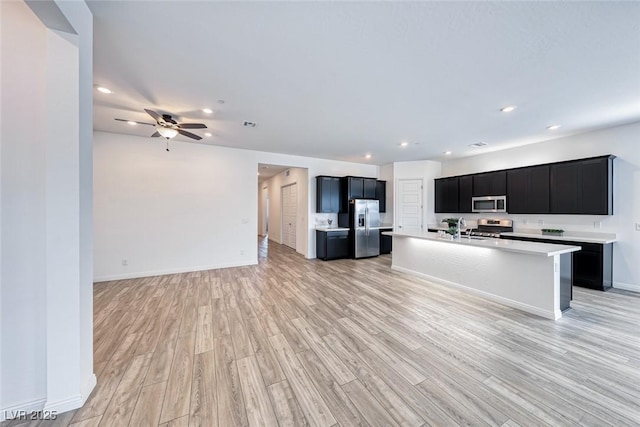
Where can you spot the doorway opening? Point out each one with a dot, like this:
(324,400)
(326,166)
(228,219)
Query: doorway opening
(283,206)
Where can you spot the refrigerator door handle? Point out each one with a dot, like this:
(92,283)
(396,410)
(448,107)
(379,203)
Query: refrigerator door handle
(366,221)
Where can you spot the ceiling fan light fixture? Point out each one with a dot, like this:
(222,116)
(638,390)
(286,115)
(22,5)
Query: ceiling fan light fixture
(167,132)
(508,108)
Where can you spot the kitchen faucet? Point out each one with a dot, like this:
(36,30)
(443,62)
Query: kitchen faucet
(461,223)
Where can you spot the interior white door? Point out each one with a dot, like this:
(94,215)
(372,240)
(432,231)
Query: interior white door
(409,204)
(289,213)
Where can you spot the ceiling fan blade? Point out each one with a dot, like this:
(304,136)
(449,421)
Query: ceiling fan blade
(192,125)
(157,117)
(156,134)
(189,134)
(138,123)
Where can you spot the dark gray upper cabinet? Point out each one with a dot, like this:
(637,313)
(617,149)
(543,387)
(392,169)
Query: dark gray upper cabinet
(582,187)
(490,184)
(369,188)
(327,194)
(465,192)
(381,195)
(355,187)
(446,190)
(528,190)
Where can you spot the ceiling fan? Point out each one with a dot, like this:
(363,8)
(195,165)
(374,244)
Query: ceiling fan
(167,127)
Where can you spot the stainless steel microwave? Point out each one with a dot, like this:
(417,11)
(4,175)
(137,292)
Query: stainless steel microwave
(489,204)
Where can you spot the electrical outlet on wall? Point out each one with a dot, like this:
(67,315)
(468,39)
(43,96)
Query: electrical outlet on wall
(125,262)
(597,224)
(242,252)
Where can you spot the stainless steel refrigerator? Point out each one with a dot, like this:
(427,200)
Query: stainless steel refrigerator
(364,222)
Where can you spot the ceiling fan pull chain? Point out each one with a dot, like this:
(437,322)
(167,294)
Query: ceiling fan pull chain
(167,144)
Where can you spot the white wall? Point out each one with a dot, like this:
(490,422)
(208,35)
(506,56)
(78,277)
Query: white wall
(192,208)
(24,46)
(622,141)
(46,346)
(427,171)
(274,187)
(195,207)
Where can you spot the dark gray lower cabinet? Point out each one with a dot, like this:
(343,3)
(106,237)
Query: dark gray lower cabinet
(385,241)
(332,244)
(592,266)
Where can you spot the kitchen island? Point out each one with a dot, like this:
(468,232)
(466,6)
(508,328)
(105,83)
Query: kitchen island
(533,277)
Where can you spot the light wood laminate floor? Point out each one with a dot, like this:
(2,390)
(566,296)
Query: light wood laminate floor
(295,342)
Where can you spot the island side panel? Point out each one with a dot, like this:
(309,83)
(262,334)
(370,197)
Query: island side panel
(525,281)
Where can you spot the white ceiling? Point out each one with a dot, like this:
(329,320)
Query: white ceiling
(338,80)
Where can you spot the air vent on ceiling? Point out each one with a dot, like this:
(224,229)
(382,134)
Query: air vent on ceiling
(478,144)
(249,124)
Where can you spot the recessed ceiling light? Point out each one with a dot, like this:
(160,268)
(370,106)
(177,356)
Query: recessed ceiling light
(207,110)
(508,108)
(478,144)
(132,123)
(104,90)
(553,127)
(404,144)
(447,153)
(207,134)
(368,156)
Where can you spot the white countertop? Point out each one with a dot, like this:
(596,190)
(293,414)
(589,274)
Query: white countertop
(568,236)
(330,228)
(533,248)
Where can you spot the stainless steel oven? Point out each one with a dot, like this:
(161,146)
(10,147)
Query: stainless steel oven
(489,204)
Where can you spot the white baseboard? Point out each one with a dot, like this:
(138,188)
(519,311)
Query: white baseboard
(22,408)
(136,275)
(553,315)
(626,286)
(73,402)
